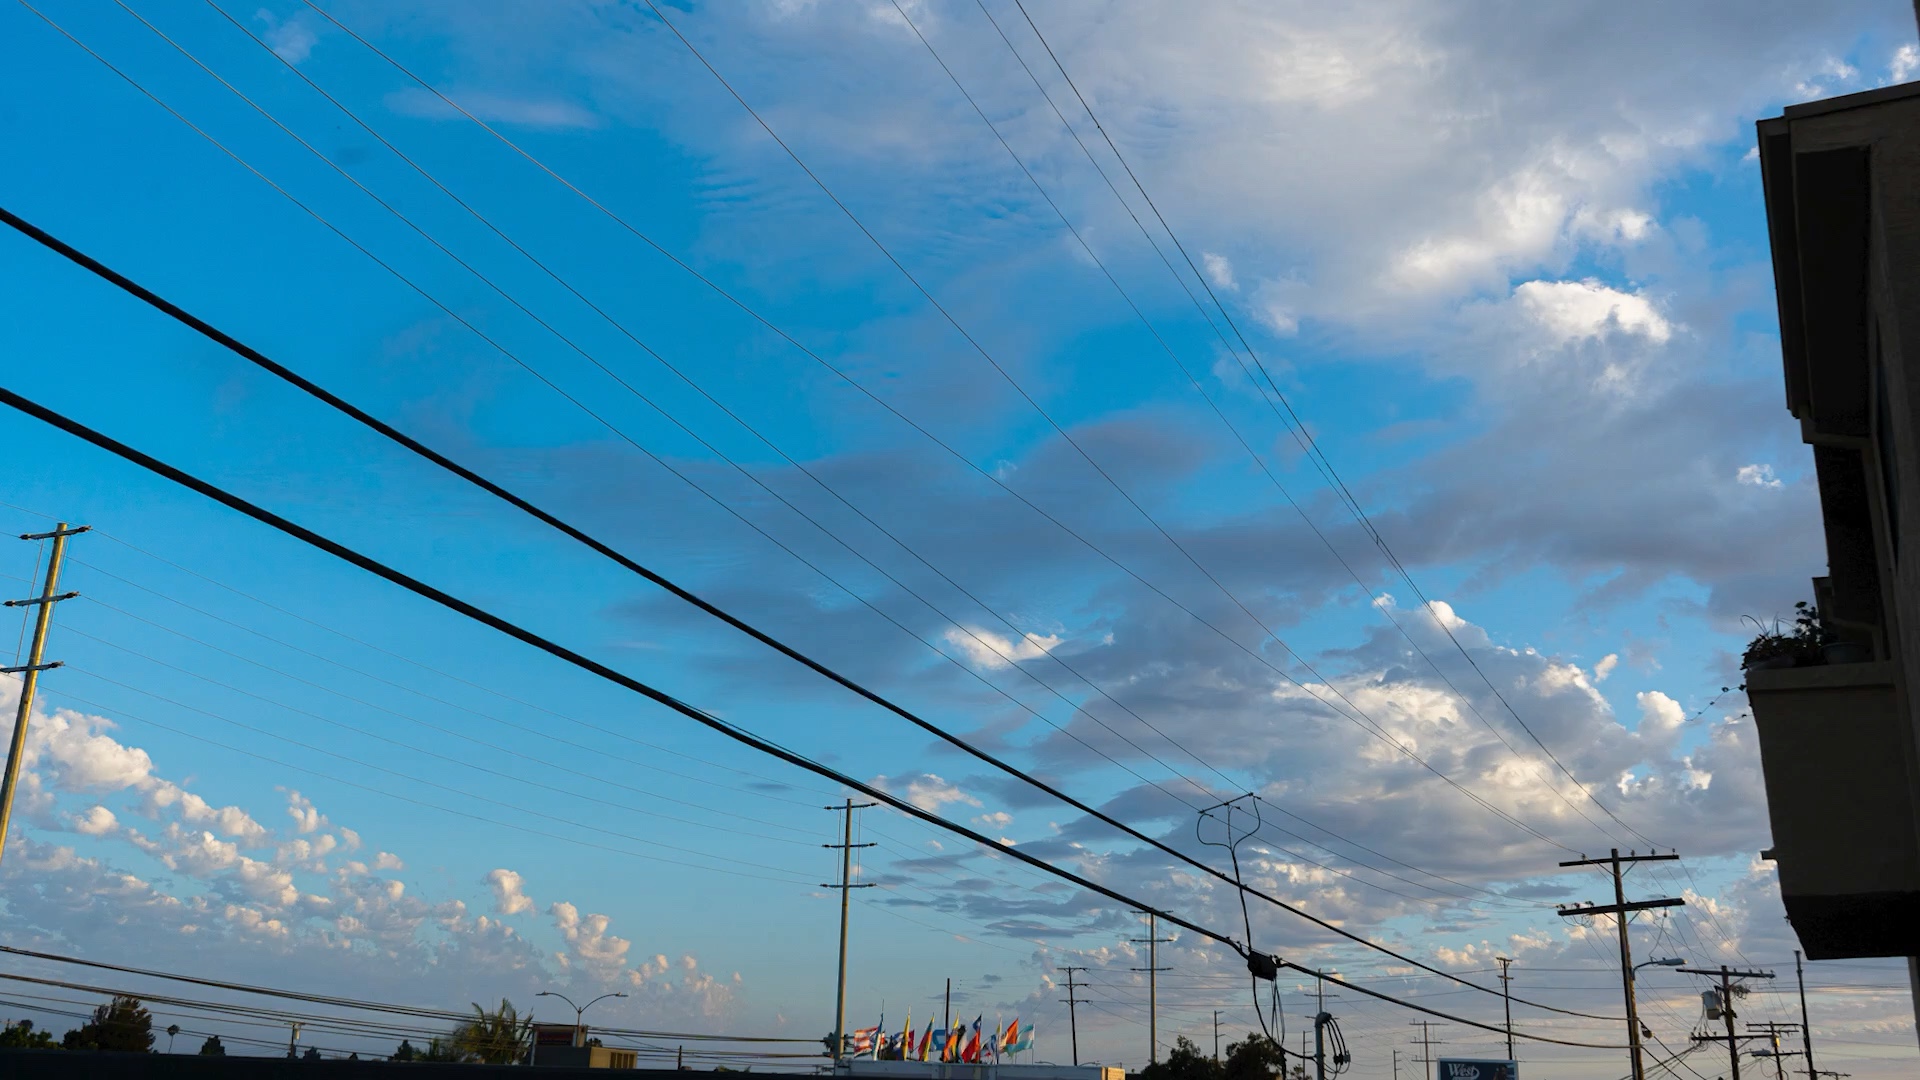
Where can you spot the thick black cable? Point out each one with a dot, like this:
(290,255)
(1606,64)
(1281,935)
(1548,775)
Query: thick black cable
(1314,452)
(623,435)
(816,479)
(705,719)
(561,652)
(1435,1012)
(1068,438)
(388,431)
(988,475)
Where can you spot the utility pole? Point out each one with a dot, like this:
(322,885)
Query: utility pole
(30,674)
(846,888)
(1216,1036)
(293,1041)
(1726,977)
(1772,1032)
(1073,1018)
(1806,1025)
(1506,992)
(1396,1065)
(1620,910)
(1427,1042)
(1152,942)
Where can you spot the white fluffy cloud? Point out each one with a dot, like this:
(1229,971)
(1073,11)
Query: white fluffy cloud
(508,899)
(1574,311)
(988,649)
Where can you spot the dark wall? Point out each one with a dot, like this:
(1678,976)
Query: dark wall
(69,1065)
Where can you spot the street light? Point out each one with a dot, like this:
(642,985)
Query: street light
(1671,961)
(578,1010)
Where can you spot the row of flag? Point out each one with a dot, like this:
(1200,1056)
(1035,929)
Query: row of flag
(957,1042)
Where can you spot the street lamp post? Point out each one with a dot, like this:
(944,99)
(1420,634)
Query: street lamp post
(578,1010)
(1670,961)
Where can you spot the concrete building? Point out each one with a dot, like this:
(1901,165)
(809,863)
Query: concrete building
(1839,730)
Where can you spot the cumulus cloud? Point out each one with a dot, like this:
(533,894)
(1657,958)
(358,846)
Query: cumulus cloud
(589,946)
(926,790)
(508,899)
(1760,476)
(988,649)
(96,821)
(1580,310)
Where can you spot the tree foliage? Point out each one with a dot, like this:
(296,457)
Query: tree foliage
(1254,1058)
(494,1036)
(21,1036)
(122,1024)
(1183,1062)
(213,1047)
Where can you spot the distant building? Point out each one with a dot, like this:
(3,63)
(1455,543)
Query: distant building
(567,1045)
(1838,727)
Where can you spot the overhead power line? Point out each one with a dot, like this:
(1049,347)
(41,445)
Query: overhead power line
(1311,446)
(804,470)
(393,434)
(1372,727)
(705,719)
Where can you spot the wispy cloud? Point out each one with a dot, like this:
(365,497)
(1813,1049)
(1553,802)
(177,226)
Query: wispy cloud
(539,112)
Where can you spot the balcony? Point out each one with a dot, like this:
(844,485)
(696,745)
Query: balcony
(1834,752)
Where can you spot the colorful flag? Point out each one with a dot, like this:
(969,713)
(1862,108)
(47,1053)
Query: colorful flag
(904,1046)
(863,1040)
(1012,1037)
(1024,1042)
(971,1055)
(951,1051)
(926,1042)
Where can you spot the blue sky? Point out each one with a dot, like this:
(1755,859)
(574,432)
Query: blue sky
(1507,266)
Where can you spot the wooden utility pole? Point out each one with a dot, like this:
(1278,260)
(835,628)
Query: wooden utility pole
(1153,969)
(1427,1042)
(1771,1032)
(1726,976)
(1506,993)
(1806,1024)
(846,888)
(1073,1019)
(1216,1036)
(1620,909)
(30,673)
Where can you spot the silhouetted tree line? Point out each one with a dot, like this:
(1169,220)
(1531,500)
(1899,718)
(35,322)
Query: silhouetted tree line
(1254,1058)
(492,1037)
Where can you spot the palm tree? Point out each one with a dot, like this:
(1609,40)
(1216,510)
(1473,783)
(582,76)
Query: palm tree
(496,1037)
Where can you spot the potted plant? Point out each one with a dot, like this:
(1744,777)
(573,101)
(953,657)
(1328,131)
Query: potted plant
(1807,642)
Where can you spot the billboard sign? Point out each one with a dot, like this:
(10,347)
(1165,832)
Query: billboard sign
(1463,1069)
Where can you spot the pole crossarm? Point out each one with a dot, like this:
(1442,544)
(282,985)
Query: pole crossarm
(36,601)
(1616,857)
(1615,909)
(1621,909)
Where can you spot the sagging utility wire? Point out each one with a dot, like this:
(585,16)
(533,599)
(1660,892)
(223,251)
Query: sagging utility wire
(389,432)
(731,731)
